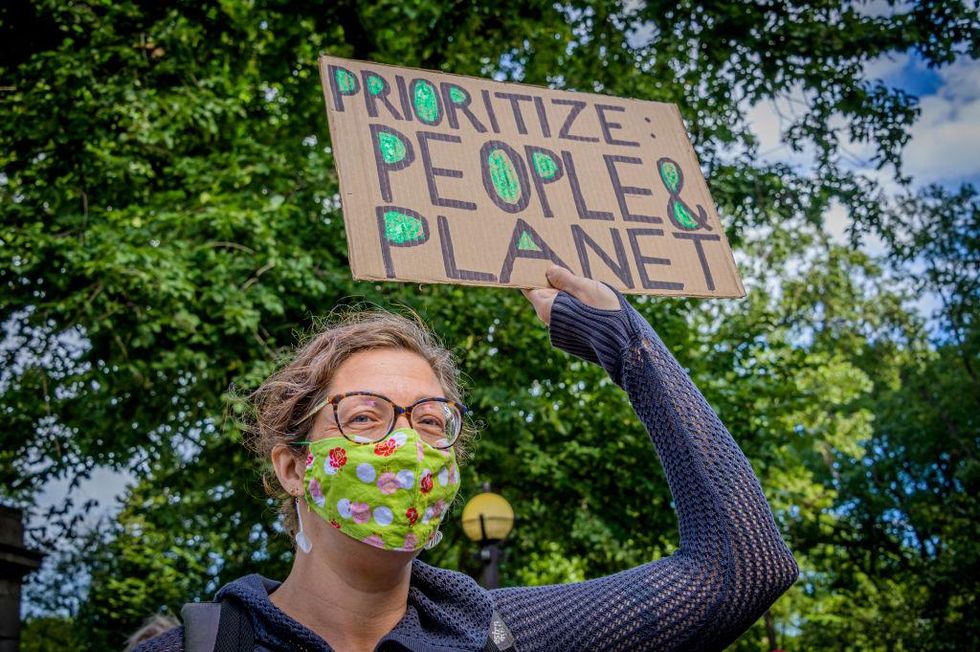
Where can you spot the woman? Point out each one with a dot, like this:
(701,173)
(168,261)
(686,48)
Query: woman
(368,463)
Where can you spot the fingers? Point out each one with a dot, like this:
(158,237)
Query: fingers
(562,279)
(541,300)
(586,290)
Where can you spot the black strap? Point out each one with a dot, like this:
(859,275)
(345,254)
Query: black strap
(500,638)
(234,629)
(217,627)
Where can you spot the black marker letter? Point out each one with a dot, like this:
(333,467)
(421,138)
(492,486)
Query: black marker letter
(342,82)
(456,98)
(392,152)
(399,227)
(697,238)
(403,97)
(621,190)
(545,167)
(642,261)
(449,257)
(542,117)
(584,212)
(515,106)
(526,243)
(432,172)
(376,90)
(622,270)
(608,126)
(504,176)
(566,128)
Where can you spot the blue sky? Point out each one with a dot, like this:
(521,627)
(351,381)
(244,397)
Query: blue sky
(945,139)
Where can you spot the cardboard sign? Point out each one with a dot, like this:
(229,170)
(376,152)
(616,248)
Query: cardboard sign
(450,179)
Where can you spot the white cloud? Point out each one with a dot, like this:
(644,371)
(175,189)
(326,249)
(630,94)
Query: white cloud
(887,67)
(945,145)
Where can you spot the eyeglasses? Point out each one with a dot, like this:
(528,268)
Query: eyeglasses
(367,418)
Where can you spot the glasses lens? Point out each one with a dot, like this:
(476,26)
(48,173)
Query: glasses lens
(438,423)
(364,418)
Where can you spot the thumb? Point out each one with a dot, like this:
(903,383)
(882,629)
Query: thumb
(562,279)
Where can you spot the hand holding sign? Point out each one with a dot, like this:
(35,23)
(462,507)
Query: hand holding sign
(451,179)
(589,292)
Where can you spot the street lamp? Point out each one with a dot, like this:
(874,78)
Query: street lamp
(487,520)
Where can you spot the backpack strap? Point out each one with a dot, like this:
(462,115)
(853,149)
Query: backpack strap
(500,638)
(217,627)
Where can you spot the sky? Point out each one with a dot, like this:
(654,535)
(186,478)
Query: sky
(945,140)
(944,148)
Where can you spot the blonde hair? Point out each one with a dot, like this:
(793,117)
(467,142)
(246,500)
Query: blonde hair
(280,408)
(151,627)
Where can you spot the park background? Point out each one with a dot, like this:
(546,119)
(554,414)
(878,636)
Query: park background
(171,225)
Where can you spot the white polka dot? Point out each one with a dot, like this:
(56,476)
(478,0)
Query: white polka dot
(366,472)
(329,470)
(343,506)
(383,516)
(443,477)
(427,516)
(405,479)
(400,438)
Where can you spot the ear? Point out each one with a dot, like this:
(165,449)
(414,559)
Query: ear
(290,468)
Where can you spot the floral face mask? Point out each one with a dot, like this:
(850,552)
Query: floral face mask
(392,494)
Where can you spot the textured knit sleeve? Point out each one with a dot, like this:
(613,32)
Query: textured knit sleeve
(731,564)
(171,640)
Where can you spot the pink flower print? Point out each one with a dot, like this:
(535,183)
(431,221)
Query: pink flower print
(360,512)
(412,515)
(420,452)
(374,540)
(309,460)
(385,448)
(338,457)
(425,484)
(438,508)
(388,483)
(453,473)
(317,493)
(411,542)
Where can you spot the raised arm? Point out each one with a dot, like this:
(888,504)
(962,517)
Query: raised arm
(732,563)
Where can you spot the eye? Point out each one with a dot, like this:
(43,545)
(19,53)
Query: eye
(361,417)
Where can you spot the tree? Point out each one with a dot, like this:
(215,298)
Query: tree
(171,218)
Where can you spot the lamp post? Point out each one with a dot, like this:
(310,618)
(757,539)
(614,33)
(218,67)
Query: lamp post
(487,520)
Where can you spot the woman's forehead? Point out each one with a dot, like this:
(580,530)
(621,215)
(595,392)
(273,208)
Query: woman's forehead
(399,374)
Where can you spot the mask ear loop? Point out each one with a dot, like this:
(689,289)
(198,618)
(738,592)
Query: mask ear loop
(433,540)
(302,540)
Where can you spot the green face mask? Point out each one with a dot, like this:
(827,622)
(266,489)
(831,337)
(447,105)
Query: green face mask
(392,494)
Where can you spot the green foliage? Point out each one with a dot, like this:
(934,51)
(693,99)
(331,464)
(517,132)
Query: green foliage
(171,222)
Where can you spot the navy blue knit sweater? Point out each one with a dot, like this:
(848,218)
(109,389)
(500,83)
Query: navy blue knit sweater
(730,567)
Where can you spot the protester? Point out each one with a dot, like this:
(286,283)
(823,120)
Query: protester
(364,429)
